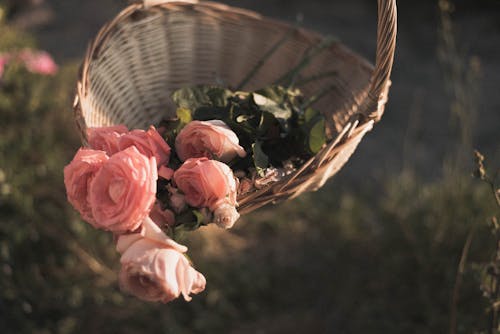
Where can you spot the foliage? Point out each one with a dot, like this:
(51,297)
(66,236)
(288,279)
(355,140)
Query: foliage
(490,271)
(271,123)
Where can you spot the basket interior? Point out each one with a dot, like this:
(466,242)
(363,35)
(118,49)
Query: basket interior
(144,55)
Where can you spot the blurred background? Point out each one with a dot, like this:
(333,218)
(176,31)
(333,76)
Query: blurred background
(400,241)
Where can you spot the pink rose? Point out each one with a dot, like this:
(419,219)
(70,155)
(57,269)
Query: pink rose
(154,268)
(205,182)
(106,138)
(149,143)
(78,176)
(210,139)
(38,62)
(123,191)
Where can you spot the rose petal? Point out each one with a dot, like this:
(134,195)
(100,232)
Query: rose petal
(165,172)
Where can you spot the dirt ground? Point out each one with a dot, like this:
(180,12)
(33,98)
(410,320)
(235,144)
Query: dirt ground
(417,126)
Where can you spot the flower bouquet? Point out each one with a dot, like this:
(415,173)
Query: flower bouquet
(147,186)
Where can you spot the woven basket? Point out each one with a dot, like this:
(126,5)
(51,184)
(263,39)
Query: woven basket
(154,47)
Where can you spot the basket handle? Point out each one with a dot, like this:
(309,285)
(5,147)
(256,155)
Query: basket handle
(386,46)
(150,3)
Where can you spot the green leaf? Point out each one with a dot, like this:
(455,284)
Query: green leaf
(310,114)
(184,115)
(272,107)
(191,97)
(245,132)
(317,137)
(189,221)
(243,118)
(172,127)
(275,93)
(269,127)
(218,96)
(200,219)
(209,113)
(260,159)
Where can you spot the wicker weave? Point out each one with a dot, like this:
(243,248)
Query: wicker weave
(151,49)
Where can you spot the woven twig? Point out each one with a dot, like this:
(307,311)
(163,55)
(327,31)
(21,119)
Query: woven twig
(145,53)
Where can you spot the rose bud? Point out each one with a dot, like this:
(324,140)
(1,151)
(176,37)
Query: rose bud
(205,182)
(154,268)
(123,191)
(246,185)
(177,202)
(149,143)
(106,138)
(210,139)
(78,176)
(225,215)
(162,217)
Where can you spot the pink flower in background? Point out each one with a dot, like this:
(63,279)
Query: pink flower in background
(205,182)
(123,191)
(78,176)
(106,138)
(39,62)
(149,143)
(210,139)
(154,267)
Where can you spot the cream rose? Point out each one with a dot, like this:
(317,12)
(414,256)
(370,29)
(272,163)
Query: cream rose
(210,139)
(154,267)
(106,138)
(206,182)
(225,215)
(123,191)
(149,143)
(78,176)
